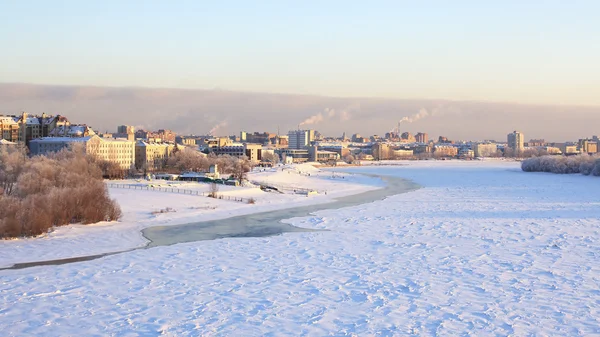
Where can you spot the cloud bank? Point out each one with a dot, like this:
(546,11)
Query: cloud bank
(222,112)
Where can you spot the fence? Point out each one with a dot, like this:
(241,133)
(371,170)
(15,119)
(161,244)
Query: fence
(180,191)
(292,189)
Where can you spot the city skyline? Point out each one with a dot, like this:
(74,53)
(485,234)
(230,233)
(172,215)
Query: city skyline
(228,112)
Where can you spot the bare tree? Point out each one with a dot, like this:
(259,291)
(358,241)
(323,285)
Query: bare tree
(240,169)
(271,158)
(349,158)
(63,188)
(12,163)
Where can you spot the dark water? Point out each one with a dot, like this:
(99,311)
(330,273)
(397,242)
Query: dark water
(251,225)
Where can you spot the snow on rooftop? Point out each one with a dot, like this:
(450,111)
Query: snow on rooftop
(61,139)
(8,120)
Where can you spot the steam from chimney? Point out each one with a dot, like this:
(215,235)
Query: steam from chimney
(313,119)
(419,115)
(328,114)
(217,127)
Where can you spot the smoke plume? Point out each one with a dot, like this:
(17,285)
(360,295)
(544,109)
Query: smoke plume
(423,113)
(217,128)
(327,115)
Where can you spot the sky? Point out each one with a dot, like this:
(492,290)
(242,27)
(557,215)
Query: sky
(542,53)
(516,51)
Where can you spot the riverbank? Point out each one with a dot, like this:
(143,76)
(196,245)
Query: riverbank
(147,208)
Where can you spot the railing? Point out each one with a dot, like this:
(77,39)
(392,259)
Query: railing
(180,191)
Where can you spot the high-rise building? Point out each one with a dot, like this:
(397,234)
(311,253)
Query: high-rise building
(381,151)
(422,137)
(407,137)
(125,129)
(298,139)
(516,141)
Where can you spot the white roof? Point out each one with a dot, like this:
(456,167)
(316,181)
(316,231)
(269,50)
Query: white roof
(60,139)
(6,142)
(193,175)
(7,120)
(143,143)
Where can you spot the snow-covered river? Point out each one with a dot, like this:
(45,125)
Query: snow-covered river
(249,225)
(267,223)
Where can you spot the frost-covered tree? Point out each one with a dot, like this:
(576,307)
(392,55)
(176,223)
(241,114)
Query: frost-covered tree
(57,190)
(583,163)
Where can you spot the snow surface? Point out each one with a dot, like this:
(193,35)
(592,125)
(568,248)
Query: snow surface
(483,249)
(139,205)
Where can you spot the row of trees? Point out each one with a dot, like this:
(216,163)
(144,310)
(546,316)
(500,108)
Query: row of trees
(41,192)
(582,163)
(193,161)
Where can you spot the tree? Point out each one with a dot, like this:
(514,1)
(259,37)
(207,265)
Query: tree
(12,163)
(54,190)
(349,158)
(271,158)
(241,169)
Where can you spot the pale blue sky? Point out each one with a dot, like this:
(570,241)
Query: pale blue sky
(518,51)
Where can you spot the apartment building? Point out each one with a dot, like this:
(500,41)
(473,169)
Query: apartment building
(117,151)
(445,151)
(381,151)
(300,139)
(485,150)
(252,151)
(24,128)
(152,156)
(422,137)
(516,141)
(588,146)
(9,129)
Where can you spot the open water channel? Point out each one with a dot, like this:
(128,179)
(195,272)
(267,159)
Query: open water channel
(250,225)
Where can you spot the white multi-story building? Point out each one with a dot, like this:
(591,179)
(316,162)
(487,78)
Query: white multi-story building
(300,139)
(516,141)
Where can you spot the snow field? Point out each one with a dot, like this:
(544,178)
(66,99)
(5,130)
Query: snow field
(138,206)
(483,250)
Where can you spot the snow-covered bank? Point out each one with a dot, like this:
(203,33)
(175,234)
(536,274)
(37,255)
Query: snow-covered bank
(139,205)
(483,249)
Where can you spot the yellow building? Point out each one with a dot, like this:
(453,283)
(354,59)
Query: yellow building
(24,128)
(445,151)
(402,153)
(588,146)
(9,129)
(152,156)
(117,151)
(485,150)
